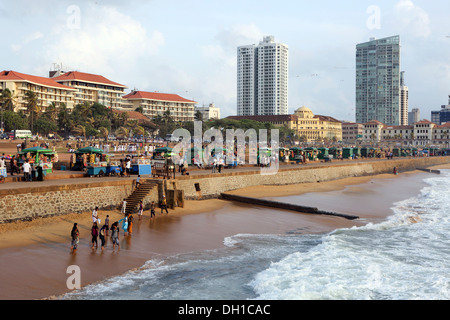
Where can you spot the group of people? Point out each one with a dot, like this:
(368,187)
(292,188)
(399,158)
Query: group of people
(126,223)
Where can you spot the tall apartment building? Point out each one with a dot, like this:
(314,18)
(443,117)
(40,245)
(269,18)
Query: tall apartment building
(378,81)
(92,88)
(262,78)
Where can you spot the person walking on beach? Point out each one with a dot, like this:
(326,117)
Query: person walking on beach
(94,233)
(164,205)
(124,222)
(152,209)
(130,224)
(102,233)
(115,235)
(141,210)
(107,224)
(95,215)
(124,206)
(75,238)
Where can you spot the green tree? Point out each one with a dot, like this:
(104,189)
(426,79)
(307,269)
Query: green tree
(7,100)
(33,106)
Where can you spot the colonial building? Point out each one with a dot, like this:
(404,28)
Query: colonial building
(308,127)
(92,88)
(47,90)
(155,103)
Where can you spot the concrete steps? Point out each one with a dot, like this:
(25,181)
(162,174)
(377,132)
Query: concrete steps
(139,194)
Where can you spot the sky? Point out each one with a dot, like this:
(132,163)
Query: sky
(190,47)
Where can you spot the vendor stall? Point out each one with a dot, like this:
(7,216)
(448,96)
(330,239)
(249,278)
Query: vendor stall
(141,165)
(39,158)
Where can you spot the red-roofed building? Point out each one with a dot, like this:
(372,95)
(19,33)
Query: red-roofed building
(47,90)
(92,88)
(155,103)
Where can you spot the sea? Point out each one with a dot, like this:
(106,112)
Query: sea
(403,257)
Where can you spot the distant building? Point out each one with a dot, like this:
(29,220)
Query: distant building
(209,112)
(414,116)
(442,116)
(262,78)
(378,92)
(307,126)
(404,93)
(47,90)
(91,88)
(352,132)
(155,103)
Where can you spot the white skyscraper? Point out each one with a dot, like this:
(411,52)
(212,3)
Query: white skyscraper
(262,78)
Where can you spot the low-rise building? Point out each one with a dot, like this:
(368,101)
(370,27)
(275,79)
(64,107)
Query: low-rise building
(352,132)
(155,103)
(92,88)
(47,90)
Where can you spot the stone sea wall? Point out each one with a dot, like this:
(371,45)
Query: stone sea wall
(213,185)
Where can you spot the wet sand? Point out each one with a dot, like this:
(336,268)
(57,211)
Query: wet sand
(34,256)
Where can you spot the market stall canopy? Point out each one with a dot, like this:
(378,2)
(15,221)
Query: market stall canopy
(37,150)
(163,149)
(90,150)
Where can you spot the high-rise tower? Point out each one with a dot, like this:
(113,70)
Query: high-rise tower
(262,78)
(378,81)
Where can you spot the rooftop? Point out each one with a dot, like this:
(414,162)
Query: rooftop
(139,95)
(86,77)
(42,81)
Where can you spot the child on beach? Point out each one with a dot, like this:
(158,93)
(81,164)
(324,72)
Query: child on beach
(152,209)
(141,210)
(124,205)
(130,224)
(107,224)
(164,205)
(124,222)
(75,238)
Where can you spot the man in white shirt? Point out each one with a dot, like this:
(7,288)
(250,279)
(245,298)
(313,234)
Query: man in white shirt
(27,171)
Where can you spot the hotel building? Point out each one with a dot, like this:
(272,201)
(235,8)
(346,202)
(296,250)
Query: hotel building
(47,90)
(92,88)
(378,82)
(155,103)
(262,78)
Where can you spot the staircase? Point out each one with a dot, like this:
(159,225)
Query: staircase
(138,195)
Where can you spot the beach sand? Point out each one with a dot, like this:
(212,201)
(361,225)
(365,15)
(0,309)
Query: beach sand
(34,256)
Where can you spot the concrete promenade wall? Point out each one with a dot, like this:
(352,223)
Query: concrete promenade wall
(212,185)
(43,201)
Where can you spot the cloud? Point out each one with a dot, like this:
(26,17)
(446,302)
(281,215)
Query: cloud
(412,19)
(28,39)
(101,39)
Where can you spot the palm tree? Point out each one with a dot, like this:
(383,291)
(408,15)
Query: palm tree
(52,111)
(7,99)
(63,117)
(122,132)
(80,130)
(33,105)
(104,132)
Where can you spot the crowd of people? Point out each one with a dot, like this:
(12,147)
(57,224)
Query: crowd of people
(113,231)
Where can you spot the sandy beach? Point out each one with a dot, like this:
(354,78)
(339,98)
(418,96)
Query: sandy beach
(34,256)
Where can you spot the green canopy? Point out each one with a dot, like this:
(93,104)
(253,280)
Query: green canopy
(90,150)
(36,150)
(163,149)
